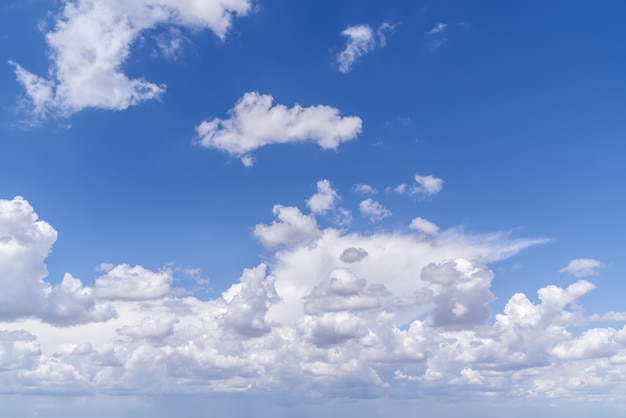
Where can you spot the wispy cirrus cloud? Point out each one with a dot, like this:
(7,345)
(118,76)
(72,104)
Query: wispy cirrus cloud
(439,27)
(361,40)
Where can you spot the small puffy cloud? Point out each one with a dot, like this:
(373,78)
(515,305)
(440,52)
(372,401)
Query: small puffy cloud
(325,198)
(424,185)
(256,121)
(373,210)
(424,226)
(428,185)
(352,255)
(123,282)
(92,39)
(582,267)
(361,41)
(364,189)
(351,314)
(290,228)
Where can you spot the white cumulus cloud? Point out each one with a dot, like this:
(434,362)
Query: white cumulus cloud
(325,198)
(256,121)
(91,41)
(349,314)
(428,185)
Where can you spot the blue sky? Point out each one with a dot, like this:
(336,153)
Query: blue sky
(335,205)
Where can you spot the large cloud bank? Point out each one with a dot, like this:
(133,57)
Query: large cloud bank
(331,313)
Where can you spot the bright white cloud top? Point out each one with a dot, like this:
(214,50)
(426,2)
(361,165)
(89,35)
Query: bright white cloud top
(383,313)
(91,41)
(256,121)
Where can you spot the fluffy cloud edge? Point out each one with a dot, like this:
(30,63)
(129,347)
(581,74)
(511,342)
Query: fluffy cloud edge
(91,41)
(385,314)
(255,121)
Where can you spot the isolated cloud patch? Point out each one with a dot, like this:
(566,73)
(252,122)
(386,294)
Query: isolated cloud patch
(256,121)
(425,186)
(581,267)
(91,40)
(373,210)
(361,40)
(352,255)
(363,188)
(428,185)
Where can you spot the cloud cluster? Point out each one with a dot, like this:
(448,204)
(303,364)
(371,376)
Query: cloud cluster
(330,313)
(256,121)
(91,40)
